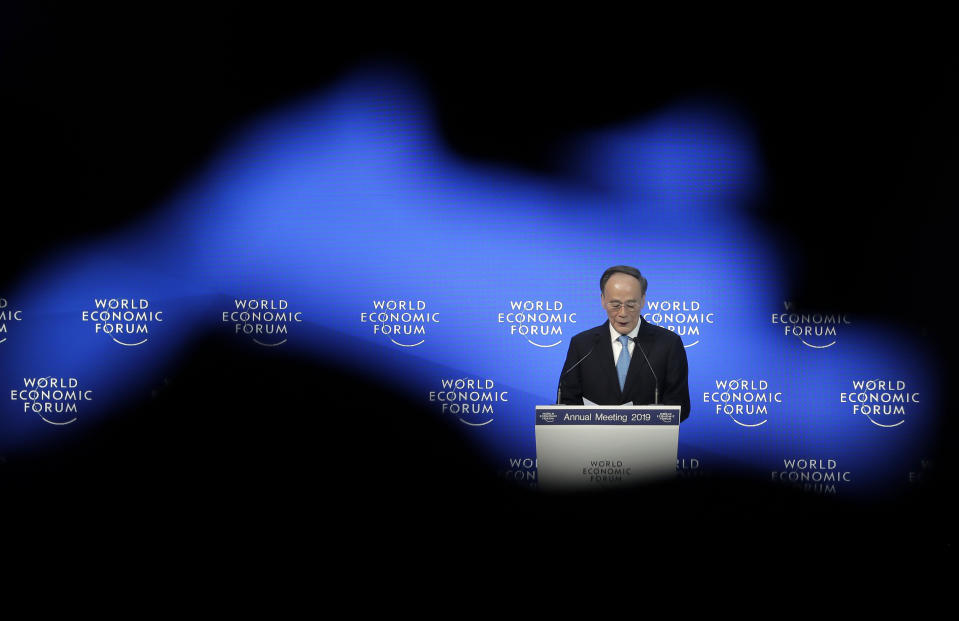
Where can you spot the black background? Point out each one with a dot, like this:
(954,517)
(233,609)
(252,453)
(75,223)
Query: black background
(106,112)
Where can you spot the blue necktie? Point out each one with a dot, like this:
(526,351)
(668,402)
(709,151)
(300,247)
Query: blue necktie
(622,365)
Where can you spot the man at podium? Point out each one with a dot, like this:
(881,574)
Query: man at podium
(625,360)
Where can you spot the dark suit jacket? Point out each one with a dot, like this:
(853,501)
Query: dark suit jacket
(595,378)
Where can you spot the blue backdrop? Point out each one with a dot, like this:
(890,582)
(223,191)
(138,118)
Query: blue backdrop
(460,284)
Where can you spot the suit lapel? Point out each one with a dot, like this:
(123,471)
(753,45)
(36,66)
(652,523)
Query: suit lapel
(637,364)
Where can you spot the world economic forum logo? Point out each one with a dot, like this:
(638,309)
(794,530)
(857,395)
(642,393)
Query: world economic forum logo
(813,329)
(7,315)
(473,401)
(747,402)
(266,321)
(126,321)
(405,322)
(819,476)
(684,317)
(883,402)
(540,322)
(55,400)
(520,470)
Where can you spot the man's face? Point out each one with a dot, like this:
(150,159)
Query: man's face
(623,291)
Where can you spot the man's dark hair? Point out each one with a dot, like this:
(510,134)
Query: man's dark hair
(622,269)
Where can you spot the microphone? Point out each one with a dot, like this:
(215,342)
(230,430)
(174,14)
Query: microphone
(559,389)
(656,379)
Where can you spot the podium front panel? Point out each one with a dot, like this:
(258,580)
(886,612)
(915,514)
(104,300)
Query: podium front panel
(597,447)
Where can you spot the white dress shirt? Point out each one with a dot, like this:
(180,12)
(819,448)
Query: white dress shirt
(617,346)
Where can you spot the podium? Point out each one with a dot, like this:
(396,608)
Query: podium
(583,447)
